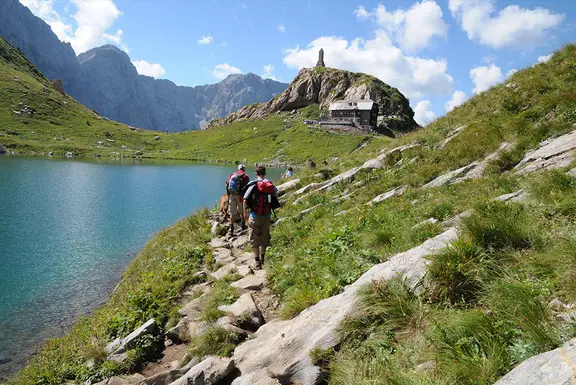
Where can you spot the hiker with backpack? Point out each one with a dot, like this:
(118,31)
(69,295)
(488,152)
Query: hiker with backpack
(235,184)
(260,200)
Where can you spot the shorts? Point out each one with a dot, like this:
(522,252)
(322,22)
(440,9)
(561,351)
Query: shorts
(235,207)
(259,231)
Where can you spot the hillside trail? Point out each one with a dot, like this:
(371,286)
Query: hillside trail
(232,255)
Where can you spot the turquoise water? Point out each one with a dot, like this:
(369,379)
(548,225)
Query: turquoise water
(69,228)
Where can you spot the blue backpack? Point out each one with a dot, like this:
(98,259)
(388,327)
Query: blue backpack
(235,184)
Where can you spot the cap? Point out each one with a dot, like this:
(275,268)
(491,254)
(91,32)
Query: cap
(241,167)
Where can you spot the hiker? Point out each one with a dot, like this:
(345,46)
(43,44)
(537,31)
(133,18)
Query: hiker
(235,184)
(260,200)
(288,173)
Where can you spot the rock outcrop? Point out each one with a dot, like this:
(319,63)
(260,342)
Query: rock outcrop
(553,367)
(321,85)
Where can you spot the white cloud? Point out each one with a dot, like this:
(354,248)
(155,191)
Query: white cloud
(485,77)
(221,71)
(412,28)
(205,40)
(149,69)
(544,59)
(93,19)
(268,72)
(244,6)
(423,114)
(281,28)
(512,26)
(511,72)
(414,76)
(458,98)
(361,12)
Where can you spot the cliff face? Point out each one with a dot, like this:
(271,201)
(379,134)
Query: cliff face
(322,86)
(41,46)
(105,80)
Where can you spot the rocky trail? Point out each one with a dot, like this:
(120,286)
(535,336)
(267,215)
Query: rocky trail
(277,352)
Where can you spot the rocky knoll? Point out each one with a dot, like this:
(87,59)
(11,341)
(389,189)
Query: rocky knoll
(321,85)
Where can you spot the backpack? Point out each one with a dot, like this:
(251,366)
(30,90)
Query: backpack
(261,200)
(235,184)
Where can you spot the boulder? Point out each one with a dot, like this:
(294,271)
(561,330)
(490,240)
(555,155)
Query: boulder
(169,376)
(149,327)
(244,305)
(192,308)
(451,136)
(553,367)
(284,187)
(217,243)
(249,282)
(572,172)
(117,348)
(281,349)
(224,271)
(222,255)
(239,242)
(429,221)
(344,177)
(477,171)
(308,210)
(517,196)
(218,229)
(122,380)
(2,150)
(554,153)
(256,378)
(388,194)
(451,176)
(58,86)
(69,155)
(310,187)
(244,270)
(208,372)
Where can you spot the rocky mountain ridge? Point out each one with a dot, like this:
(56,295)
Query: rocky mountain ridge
(322,85)
(105,80)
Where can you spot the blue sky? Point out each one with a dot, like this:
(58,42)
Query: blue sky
(437,52)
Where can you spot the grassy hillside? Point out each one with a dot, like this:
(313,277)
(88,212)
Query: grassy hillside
(36,119)
(483,307)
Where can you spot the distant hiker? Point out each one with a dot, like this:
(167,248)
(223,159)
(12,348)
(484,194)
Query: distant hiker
(310,163)
(260,200)
(235,184)
(288,173)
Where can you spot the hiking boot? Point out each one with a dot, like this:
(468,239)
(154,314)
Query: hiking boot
(258,264)
(231,231)
(261,259)
(244,227)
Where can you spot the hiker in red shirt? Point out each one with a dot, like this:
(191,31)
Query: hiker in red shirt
(234,186)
